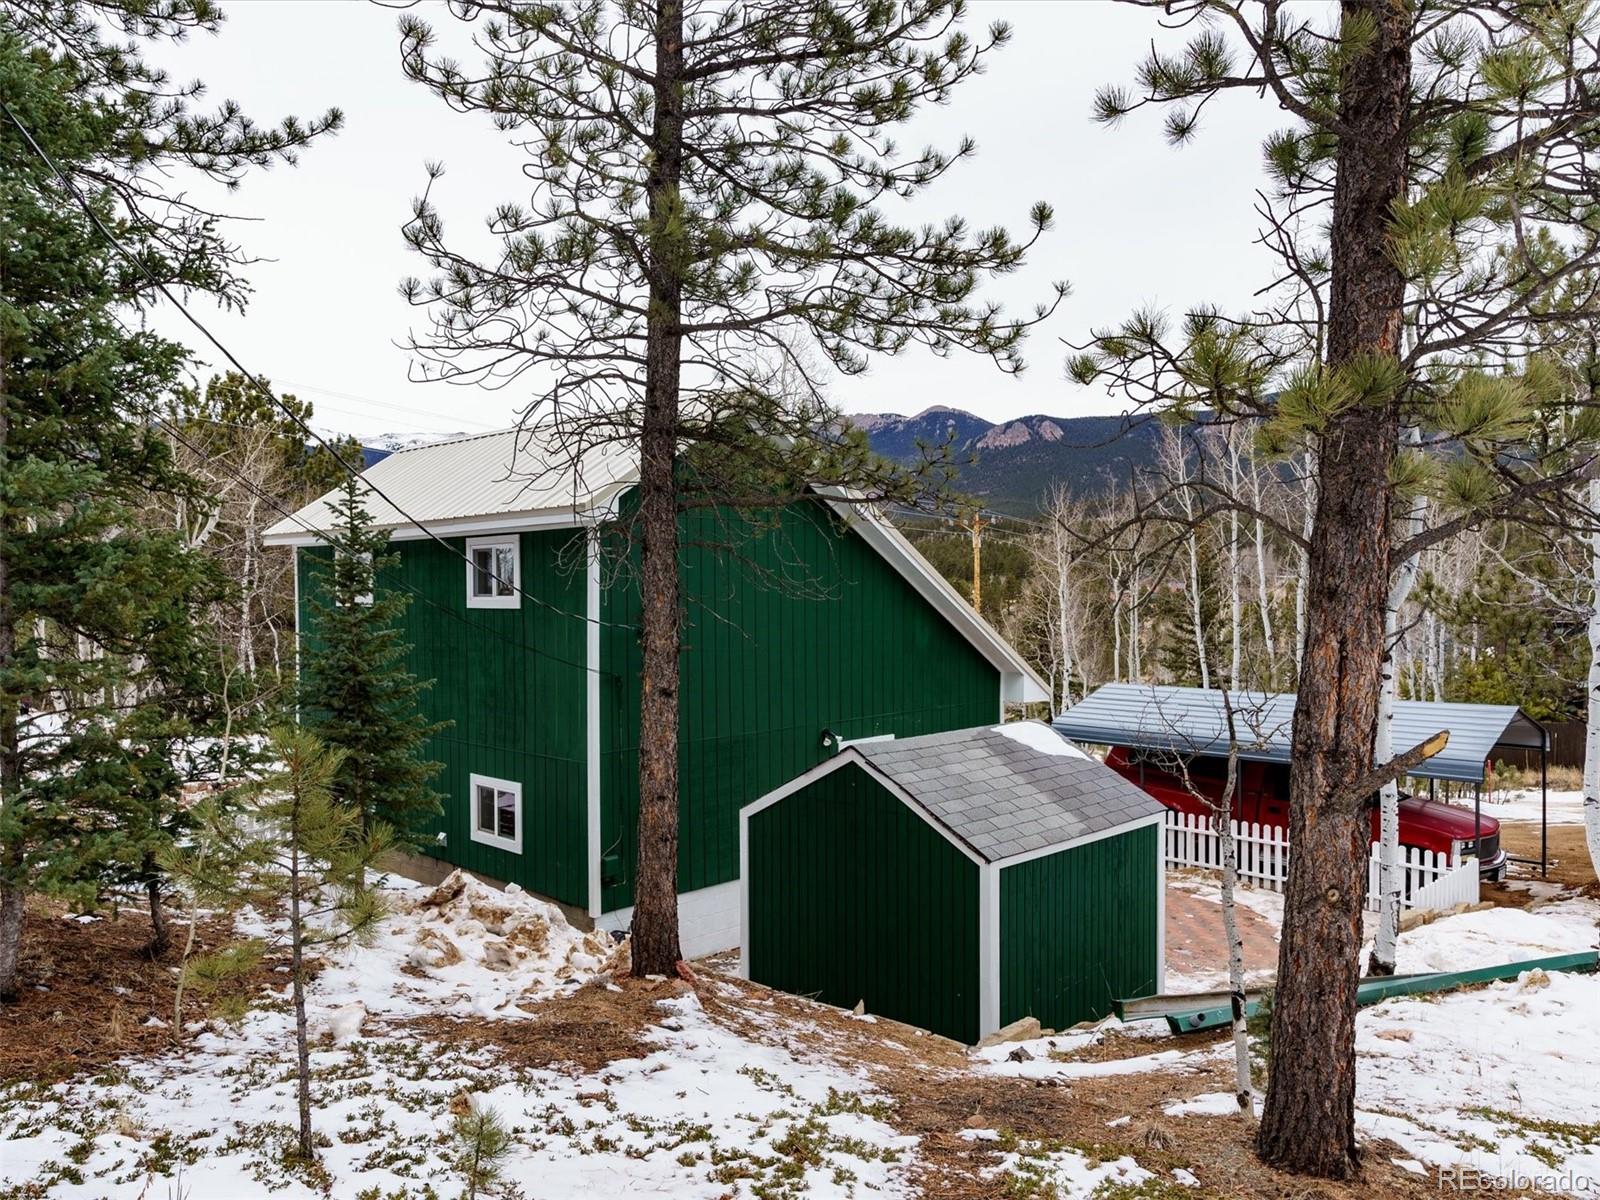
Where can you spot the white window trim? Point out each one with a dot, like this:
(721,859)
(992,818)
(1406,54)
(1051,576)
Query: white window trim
(512,844)
(512,542)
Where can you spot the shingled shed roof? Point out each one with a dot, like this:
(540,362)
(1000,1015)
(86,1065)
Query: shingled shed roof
(1006,790)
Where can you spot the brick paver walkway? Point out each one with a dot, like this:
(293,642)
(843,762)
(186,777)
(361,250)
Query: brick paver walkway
(1197,952)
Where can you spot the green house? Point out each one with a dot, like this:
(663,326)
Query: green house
(805,627)
(958,881)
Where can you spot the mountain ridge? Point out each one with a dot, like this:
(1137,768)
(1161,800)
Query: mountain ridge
(1012,464)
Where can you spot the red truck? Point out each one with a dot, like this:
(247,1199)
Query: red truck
(1261,794)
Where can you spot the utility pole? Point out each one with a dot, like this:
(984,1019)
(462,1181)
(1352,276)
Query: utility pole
(977,562)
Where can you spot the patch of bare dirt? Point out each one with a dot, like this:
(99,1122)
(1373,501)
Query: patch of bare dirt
(1569,856)
(89,991)
(590,1027)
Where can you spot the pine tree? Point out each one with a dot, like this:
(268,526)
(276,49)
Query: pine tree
(482,1144)
(357,694)
(1430,209)
(712,188)
(316,862)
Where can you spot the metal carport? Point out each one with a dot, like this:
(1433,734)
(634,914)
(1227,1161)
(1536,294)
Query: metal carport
(1194,721)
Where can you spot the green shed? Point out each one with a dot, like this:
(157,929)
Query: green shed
(957,881)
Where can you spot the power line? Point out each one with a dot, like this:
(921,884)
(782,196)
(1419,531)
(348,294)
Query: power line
(166,292)
(484,426)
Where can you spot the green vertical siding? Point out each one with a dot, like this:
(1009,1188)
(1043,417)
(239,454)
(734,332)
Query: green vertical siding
(1078,929)
(854,897)
(512,681)
(791,627)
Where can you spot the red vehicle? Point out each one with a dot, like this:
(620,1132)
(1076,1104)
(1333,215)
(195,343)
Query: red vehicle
(1261,794)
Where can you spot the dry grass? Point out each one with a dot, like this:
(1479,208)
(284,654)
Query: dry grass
(936,1095)
(88,990)
(588,1028)
(1569,854)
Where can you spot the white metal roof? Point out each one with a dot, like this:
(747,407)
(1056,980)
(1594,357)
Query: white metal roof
(525,479)
(512,473)
(1188,720)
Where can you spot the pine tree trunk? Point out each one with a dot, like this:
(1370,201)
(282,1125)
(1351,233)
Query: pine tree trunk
(11,892)
(654,946)
(11,900)
(302,1046)
(160,937)
(1308,1124)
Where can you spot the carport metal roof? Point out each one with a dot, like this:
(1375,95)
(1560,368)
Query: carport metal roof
(1188,720)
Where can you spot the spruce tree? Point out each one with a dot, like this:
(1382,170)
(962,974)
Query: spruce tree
(99,669)
(356,691)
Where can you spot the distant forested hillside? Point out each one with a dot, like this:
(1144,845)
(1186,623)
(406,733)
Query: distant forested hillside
(1014,463)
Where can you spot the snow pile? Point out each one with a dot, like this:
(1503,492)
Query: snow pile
(1040,738)
(466,948)
(1499,935)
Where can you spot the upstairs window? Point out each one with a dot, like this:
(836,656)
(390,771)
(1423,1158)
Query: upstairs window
(494,573)
(497,813)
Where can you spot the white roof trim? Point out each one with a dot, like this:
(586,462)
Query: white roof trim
(851,755)
(427,481)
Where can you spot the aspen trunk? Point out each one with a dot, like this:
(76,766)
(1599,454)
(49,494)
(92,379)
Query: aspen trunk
(655,949)
(1235,601)
(1591,746)
(1263,593)
(1244,1091)
(1308,1124)
(1390,895)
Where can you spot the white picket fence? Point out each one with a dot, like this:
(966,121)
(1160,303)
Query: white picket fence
(1430,880)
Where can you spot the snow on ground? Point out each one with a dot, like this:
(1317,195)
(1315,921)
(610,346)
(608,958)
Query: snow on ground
(1208,886)
(1503,1080)
(1499,935)
(472,950)
(1497,1083)
(704,1113)
(1040,1169)
(1566,808)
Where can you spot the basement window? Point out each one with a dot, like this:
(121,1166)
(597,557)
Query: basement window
(494,573)
(497,813)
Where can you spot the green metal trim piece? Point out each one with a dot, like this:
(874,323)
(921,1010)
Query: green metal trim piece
(1183,1015)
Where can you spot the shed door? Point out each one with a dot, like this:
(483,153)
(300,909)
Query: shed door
(854,897)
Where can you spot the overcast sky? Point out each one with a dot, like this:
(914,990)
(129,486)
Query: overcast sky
(1137,222)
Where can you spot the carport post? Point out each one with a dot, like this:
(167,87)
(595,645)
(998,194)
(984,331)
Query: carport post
(1477,821)
(1544,806)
